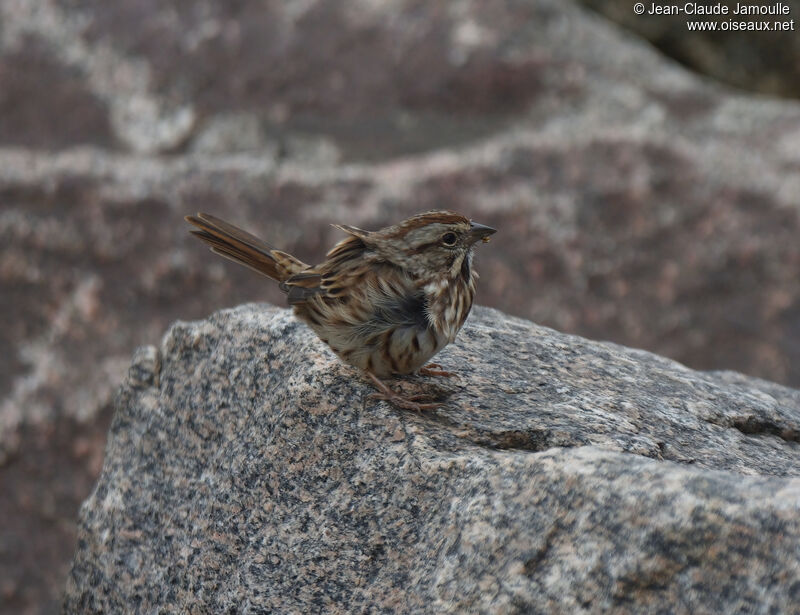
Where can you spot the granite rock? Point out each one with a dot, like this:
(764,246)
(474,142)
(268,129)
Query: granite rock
(247,470)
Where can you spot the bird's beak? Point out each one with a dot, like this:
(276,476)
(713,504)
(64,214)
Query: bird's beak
(480,231)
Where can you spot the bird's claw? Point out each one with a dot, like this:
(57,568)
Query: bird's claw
(434,369)
(407,403)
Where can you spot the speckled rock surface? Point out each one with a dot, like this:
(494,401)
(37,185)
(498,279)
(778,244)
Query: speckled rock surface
(247,471)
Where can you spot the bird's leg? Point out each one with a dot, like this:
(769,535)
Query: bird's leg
(407,403)
(434,369)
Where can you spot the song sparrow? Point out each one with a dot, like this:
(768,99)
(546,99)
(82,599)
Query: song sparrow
(384,301)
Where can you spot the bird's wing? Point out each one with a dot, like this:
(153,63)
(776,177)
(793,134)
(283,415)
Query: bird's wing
(329,278)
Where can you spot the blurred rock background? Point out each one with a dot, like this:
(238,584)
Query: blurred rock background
(756,61)
(636,200)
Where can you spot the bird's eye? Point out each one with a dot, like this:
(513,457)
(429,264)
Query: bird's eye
(449,239)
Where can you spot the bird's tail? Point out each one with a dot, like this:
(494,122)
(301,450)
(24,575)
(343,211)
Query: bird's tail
(241,247)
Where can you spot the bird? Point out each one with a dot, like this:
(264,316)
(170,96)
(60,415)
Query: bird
(384,301)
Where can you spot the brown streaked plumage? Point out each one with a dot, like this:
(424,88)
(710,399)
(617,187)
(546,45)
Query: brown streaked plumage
(384,301)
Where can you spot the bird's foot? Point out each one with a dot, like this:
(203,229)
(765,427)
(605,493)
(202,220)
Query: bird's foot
(407,403)
(434,369)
